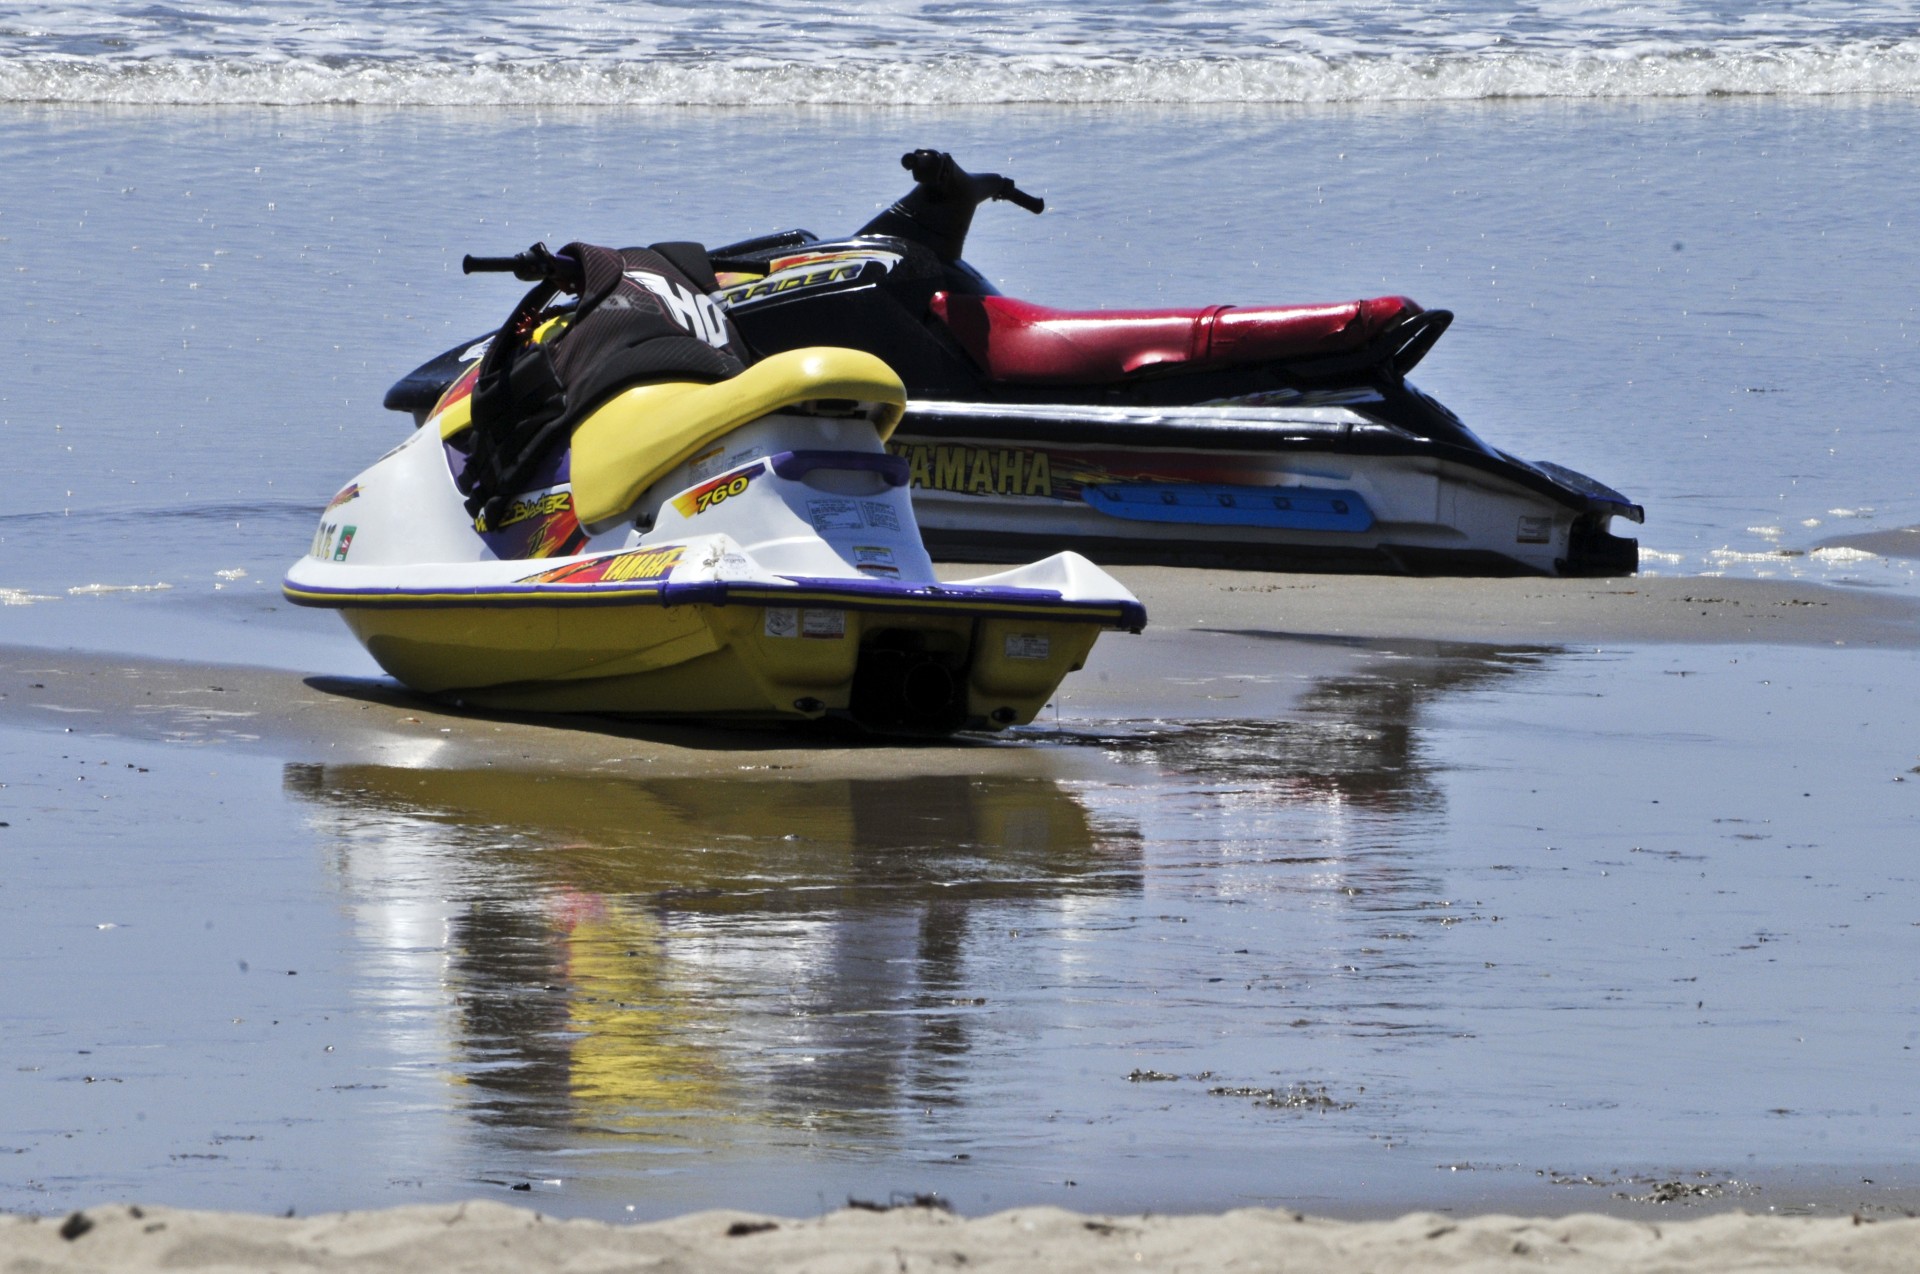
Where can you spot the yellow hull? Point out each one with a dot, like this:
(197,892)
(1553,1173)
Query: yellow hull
(739,661)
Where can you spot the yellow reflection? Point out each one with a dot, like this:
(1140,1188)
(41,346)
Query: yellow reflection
(620,948)
(634,1047)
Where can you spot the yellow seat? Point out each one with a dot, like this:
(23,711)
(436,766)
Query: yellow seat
(638,436)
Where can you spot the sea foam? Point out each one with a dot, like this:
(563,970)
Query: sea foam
(968,79)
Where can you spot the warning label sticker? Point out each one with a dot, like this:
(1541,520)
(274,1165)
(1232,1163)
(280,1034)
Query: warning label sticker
(1028,646)
(834,515)
(823,623)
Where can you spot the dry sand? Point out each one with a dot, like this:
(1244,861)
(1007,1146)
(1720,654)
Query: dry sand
(494,1237)
(1221,620)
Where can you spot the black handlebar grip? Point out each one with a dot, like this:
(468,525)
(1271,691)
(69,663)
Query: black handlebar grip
(471,264)
(1021,199)
(535,265)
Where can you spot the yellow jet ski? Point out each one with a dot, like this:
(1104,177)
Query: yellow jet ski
(607,516)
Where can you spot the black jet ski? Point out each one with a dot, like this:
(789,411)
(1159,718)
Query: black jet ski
(1264,437)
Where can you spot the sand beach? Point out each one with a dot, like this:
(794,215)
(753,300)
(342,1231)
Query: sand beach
(483,1238)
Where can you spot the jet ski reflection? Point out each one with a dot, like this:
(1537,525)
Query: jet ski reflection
(618,952)
(1351,739)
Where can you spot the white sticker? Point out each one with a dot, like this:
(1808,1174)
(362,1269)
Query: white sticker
(692,310)
(880,515)
(823,623)
(1535,530)
(1028,646)
(782,621)
(834,515)
(864,553)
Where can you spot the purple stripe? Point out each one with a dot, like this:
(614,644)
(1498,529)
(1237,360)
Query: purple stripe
(795,465)
(846,594)
(986,598)
(887,587)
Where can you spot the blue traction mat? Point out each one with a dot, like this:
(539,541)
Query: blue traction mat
(1291,508)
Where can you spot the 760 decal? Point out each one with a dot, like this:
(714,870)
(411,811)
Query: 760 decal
(718,491)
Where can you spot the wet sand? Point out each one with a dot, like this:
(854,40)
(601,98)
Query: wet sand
(1205,627)
(1208,629)
(1901,541)
(346,720)
(1639,610)
(483,1237)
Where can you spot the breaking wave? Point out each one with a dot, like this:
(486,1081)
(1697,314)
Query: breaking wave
(967,79)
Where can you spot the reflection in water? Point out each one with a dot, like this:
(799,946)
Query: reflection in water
(621,952)
(1351,738)
(750,973)
(1325,817)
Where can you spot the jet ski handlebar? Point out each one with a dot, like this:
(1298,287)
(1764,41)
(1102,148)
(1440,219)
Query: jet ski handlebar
(947,182)
(938,211)
(536,265)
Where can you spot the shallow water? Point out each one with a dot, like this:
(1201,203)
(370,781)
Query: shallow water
(209,305)
(1441,926)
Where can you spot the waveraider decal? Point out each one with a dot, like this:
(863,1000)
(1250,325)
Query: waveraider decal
(644,566)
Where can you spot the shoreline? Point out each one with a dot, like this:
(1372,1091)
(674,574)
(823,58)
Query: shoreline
(1212,637)
(1638,609)
(486,1237)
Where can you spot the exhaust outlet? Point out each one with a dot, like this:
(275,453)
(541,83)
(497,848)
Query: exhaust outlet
(900,686)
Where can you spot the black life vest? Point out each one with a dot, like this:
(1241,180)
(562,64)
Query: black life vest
(640,318)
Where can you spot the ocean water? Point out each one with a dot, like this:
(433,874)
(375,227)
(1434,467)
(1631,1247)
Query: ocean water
(896,52)
(1680,243)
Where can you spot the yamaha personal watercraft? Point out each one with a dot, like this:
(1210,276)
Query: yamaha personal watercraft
(1279,438)
(605,513)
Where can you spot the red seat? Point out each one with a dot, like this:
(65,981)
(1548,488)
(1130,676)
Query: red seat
(1019,342)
